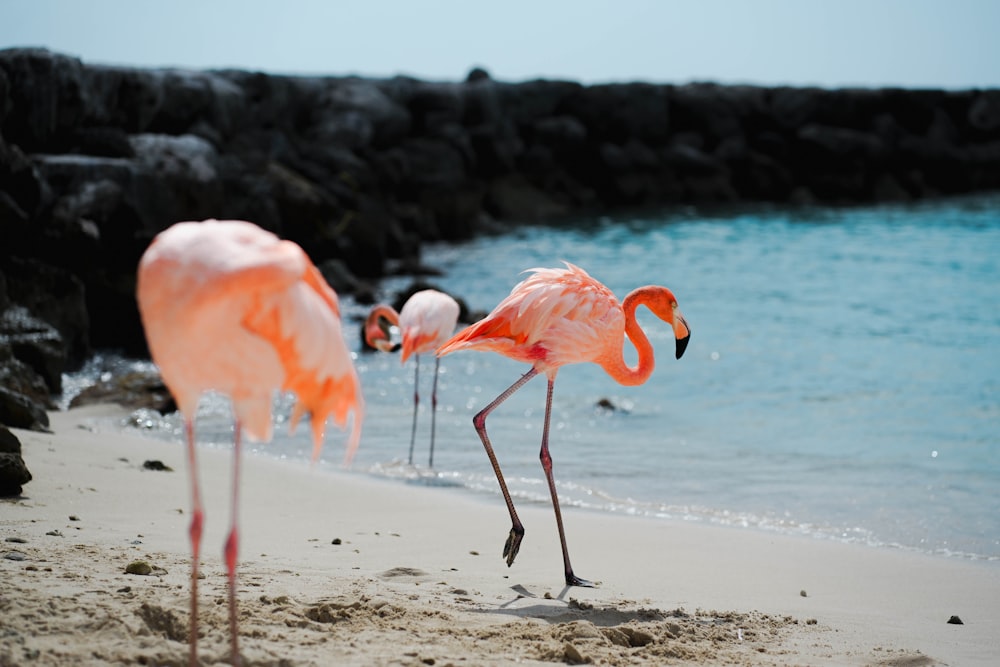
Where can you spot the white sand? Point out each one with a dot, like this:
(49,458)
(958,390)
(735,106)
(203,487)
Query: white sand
(418,578)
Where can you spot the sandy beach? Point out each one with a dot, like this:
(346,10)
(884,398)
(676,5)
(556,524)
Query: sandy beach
(341,569)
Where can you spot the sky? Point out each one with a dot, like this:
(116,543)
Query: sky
(831,43)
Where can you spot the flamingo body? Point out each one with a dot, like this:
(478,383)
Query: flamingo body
(229,307)
(560,316)
(427,320)
(553,318)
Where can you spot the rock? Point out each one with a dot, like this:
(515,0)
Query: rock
(19,411)
(514,198)
(139,567)
(96,160)
(13,472)
(19,378)
(572,655)
(955,620)
(34,342)
(56,298)
(357,113)
(135,389)
(984,112)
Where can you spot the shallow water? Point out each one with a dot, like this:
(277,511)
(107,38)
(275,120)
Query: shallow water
(841,381)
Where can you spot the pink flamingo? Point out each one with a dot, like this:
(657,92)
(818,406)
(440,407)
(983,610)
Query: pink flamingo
(229,307)
(428,318)
(557,317)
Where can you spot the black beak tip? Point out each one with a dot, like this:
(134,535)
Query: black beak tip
(682,344)
(396,347)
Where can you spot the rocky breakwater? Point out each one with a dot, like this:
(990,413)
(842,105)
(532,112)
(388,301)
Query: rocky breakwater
(95,160)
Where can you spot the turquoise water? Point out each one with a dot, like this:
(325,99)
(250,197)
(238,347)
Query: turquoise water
(842,380)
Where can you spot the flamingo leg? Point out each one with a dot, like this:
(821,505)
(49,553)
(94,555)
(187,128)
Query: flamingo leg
(231,551)
(434,406)
(194,531)
(513,543)
(546,459)
(416,402)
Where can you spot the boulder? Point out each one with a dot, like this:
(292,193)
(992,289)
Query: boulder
(13,472)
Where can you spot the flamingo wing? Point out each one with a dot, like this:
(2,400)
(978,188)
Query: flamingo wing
(302,322)
(553,317)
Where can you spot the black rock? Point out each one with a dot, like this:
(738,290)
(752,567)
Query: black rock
(13,472)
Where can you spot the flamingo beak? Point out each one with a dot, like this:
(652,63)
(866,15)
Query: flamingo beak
(682,332)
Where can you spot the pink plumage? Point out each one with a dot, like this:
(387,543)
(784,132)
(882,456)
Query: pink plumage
(427,319)
(230,307)
(556,317)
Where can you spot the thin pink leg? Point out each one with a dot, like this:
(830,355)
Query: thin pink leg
(513,544)
(416,402)
(194,531)
(546,458)
(434,407)
(232,550)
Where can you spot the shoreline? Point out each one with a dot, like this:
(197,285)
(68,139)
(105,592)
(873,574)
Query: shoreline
(414,577)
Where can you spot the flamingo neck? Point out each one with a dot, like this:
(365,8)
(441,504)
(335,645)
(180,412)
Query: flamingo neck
(615,365)
(374,335)
(385,311)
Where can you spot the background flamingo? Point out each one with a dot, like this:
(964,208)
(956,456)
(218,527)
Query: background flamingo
(427,319)
(229,307)
(557,317)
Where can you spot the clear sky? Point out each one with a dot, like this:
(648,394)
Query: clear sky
(831,43)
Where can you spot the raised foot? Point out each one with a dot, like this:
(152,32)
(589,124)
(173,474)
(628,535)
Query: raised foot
(573,580)
(513,544)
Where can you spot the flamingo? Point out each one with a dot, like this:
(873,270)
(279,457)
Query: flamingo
(427,319)
(563,316)
(228,306)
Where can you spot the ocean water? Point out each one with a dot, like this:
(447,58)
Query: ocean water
(842,379)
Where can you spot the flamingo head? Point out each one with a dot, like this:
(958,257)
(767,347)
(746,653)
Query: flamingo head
(663,303)
(378,329)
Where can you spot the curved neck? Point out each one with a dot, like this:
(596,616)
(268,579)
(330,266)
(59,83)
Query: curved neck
(615,364)
(385,311)
(375,335)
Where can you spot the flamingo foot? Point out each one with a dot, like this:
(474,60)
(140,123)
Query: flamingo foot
(573,580)
(513,544)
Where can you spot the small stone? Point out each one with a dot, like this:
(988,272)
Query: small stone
(955,620)
(156,465)
(18,540)
(572,655)
(73,517)
(803,593)
(54,533)
(140,567)
(336,540)
(15,555)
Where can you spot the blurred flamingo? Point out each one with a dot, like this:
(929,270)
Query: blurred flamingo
(427,319)
(557,317)
(229,307)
